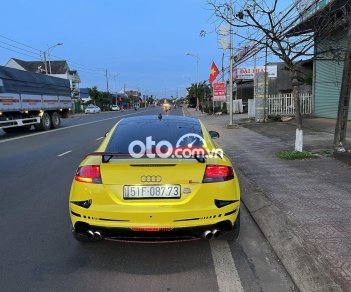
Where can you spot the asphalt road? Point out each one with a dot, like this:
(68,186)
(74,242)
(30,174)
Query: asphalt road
(38,252)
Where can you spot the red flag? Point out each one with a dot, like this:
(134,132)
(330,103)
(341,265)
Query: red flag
(214,73)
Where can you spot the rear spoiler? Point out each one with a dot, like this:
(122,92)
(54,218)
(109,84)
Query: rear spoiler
(107,156)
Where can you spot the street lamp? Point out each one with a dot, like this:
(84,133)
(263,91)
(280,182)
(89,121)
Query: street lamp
(47,53)
(197,75)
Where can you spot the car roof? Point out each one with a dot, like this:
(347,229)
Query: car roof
(156,118)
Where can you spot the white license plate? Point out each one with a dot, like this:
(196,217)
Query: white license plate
(151,192)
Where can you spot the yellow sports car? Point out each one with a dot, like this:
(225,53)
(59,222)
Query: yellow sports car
(156,178)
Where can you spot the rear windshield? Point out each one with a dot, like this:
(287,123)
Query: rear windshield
(152,134)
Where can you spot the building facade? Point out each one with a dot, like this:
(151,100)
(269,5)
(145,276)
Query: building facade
(329,48)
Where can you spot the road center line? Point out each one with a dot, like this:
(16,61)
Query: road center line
(64,153)
(100,138)
(227,275)
(64,128)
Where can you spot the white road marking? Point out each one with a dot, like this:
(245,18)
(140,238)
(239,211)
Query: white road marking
(65,128)
(64,153)
(228,279)
(227,275)
(100,138)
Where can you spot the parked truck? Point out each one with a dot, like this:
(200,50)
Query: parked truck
(28,99)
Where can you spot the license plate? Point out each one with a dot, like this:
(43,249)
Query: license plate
(152,192)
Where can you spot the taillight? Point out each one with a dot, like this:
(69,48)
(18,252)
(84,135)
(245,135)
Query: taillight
(218,173)
(89,174)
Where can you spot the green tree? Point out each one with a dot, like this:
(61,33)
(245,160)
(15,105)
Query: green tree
(202,90)
(224,108)
(95,95)
(106,100)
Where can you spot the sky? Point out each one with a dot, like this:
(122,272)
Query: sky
(142,44)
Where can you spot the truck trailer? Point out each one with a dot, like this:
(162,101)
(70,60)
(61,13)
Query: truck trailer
(28,99)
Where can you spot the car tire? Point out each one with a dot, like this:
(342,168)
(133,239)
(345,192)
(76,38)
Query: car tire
(55,120)
(234,233)
(45,123)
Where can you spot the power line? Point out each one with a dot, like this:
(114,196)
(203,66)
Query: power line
(19,52)
(85,67)
(81,65)
(19,43)
(19,48)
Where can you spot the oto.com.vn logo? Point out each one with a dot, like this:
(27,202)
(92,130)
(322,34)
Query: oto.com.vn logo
(188,146)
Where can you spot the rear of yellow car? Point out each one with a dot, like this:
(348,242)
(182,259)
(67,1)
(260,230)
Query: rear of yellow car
(119,197)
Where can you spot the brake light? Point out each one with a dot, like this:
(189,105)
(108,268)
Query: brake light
(89,174)
(218,173)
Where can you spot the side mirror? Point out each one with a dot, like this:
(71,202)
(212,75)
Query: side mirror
(214,134)
(106,134)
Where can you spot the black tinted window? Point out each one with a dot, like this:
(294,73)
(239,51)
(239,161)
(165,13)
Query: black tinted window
(177,133)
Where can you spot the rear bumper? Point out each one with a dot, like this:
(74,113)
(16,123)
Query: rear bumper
(164,217)
(163,235)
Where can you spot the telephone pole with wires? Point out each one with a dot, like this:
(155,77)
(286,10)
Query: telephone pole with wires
(106,80)
(231,65)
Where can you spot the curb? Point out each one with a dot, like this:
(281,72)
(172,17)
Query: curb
(305,266)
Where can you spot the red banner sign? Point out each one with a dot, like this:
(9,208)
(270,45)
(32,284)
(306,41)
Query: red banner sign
(219,91)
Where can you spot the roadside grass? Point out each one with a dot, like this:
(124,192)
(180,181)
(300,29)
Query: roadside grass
(293,155)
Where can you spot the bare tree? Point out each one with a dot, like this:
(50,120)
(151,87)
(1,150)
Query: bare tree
(260,24)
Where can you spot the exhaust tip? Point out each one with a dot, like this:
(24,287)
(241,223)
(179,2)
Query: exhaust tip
(97,235)
(207,234)
(216,232)
(90,234)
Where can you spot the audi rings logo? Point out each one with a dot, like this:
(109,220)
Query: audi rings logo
(151,178)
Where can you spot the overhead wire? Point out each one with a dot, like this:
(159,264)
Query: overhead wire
(38,52)
(7,38)
(33,57)
(19,48)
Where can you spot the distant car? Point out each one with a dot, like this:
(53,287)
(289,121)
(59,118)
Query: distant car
(192,105)
(166,107)
(92,109)
(115,108)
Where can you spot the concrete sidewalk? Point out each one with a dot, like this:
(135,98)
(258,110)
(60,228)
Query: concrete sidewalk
(302,207)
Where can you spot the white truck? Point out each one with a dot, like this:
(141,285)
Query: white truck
(28,99)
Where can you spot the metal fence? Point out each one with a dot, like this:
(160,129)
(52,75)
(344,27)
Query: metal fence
(283,104)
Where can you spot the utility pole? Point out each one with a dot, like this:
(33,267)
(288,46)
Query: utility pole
(106,79)
(47,55)
(265,84)
(231,65)
(115,79)
(222,66)
(344,99)
(45,64)
(253,112)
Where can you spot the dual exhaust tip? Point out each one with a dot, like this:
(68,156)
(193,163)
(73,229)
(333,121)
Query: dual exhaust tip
(94,235)
(208,234)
